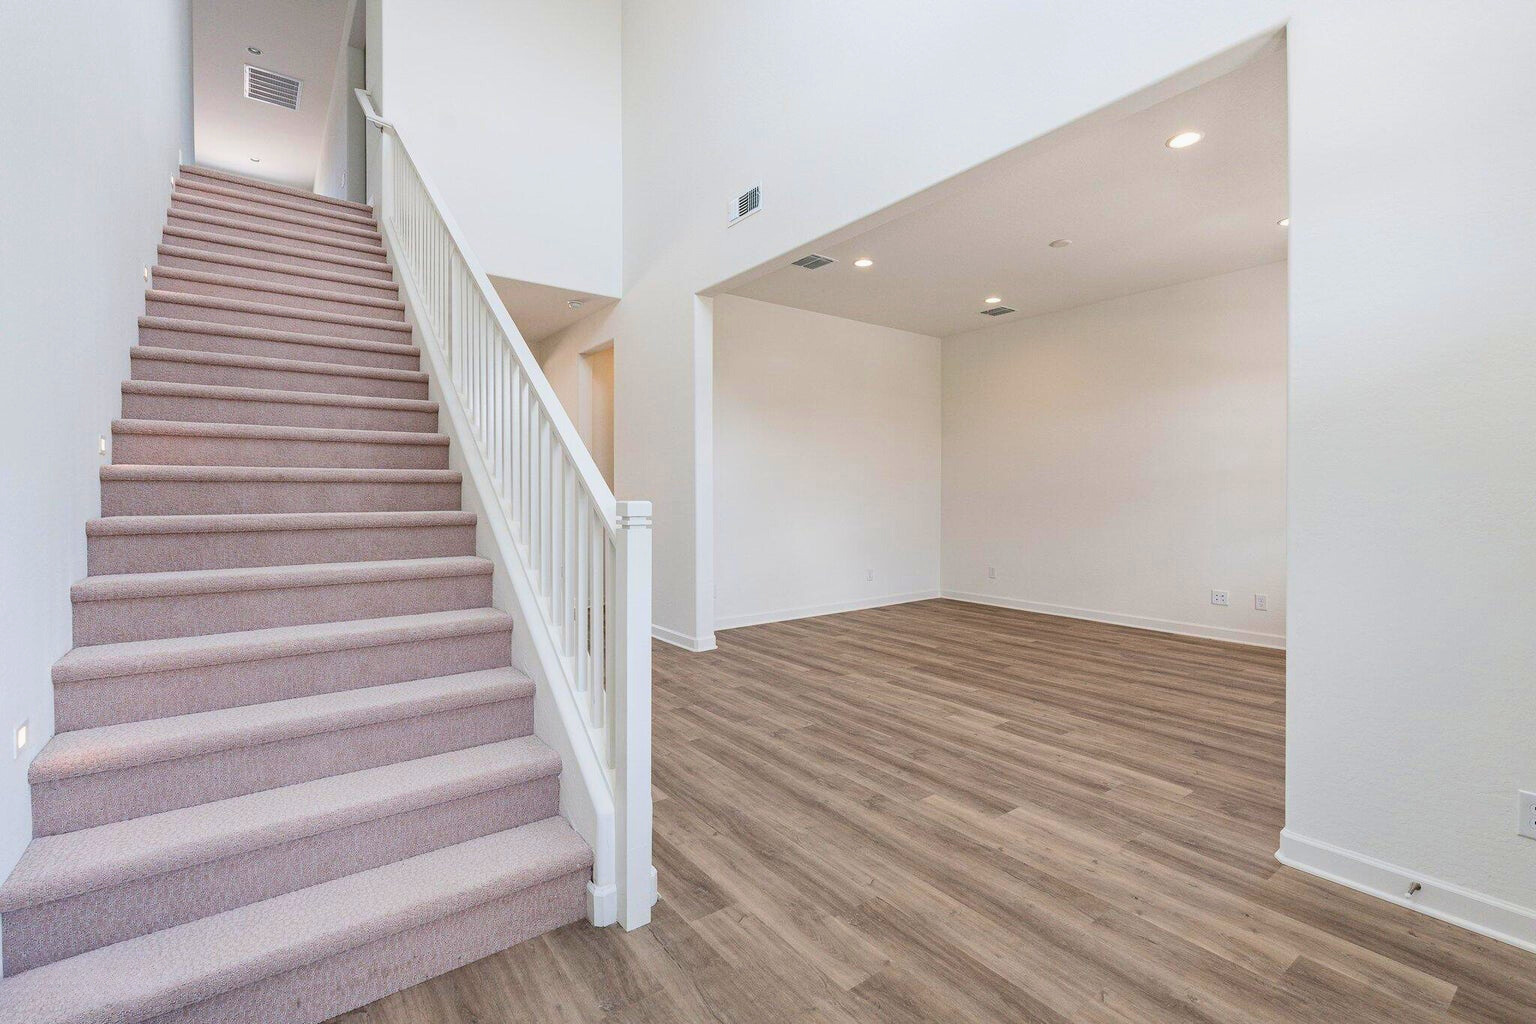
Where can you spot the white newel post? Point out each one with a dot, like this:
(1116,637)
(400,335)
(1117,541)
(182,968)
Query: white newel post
(632,711)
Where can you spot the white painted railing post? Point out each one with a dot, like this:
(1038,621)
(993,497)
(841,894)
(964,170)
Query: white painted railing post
(632,711)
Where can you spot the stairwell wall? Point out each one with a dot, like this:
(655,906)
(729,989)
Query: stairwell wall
(84,185)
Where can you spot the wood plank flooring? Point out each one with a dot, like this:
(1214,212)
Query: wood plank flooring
(948,812)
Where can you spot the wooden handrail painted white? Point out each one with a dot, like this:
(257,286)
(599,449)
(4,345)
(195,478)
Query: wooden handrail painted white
(579,561)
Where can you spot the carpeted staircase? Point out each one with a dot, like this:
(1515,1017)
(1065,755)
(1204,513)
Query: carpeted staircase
(293,770)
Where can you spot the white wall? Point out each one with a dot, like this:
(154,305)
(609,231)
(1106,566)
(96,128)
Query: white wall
(1121,460)
(826,463)
(512,108)
(1410,463)
(341,171)
(84,186)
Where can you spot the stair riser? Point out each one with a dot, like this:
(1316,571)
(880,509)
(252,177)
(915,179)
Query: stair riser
(274,321)
(339,383)
(278,296)
(152,618)
(211,338)
(154,552)
(274,251)
(275,413)
(70,804)
(52,931)
(261,195)
(276,275)
(192,192)
(235,229)
(274,218)
(175,450)
(348,980)
(161,694)
(219,497)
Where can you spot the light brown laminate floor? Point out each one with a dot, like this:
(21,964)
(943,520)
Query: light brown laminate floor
(948,812)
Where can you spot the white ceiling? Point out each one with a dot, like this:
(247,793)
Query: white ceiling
(1140,216)
(540,310)
(300,38)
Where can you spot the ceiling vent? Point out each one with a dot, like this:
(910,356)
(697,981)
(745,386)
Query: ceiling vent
(748,203)
(813,261)
(270,87)
(998,311)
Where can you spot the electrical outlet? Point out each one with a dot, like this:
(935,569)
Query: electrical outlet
(23,737)
(1219,597)
(1527,814)
(1261,602)
(991,572)
(869,575)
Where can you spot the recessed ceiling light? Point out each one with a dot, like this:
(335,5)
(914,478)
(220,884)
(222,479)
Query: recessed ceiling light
(253,49)
(575,303)
(1184,140)
(993,300)
(864,262)
(1284,222)
(1061,243)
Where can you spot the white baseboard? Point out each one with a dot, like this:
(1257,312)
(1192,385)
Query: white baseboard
(696,644)
(1464,908)
(1236,636)
(786,614)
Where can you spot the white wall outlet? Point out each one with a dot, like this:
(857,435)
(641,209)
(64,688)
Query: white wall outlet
(991,572)
(869,575)
(1527,814)
(23,737)
(1261,602)
(1219,597)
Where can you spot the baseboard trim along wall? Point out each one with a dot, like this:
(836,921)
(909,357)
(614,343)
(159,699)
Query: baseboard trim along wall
(1453,904)
(697,645)
(1236,636)
(787,614)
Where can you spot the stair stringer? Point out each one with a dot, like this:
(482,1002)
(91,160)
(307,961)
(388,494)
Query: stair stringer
(586,792)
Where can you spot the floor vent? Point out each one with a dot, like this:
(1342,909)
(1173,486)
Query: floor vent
(270,87)
(998,311)
(813,261)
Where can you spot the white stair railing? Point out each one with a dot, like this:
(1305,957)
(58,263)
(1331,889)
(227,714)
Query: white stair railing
(584,557)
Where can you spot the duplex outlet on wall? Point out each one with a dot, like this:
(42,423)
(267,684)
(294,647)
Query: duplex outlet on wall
(1261,602)
(869,575)
(991,572)
(1527,814)
(1219,597)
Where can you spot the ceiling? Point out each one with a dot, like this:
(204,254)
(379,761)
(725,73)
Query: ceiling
(540,310)
(303,39)
(1139,216)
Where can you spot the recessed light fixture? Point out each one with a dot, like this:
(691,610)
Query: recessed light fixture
(1284,222)
(575,303)
(253,50)
(864,262)
(1184,140)
(994,299)
(1061,243)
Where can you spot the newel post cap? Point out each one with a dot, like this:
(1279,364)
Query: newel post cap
(633,515)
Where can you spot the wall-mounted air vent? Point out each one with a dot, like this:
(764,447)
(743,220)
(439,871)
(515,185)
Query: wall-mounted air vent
(270,87)
(748,203)
(998,311)
(813,261)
